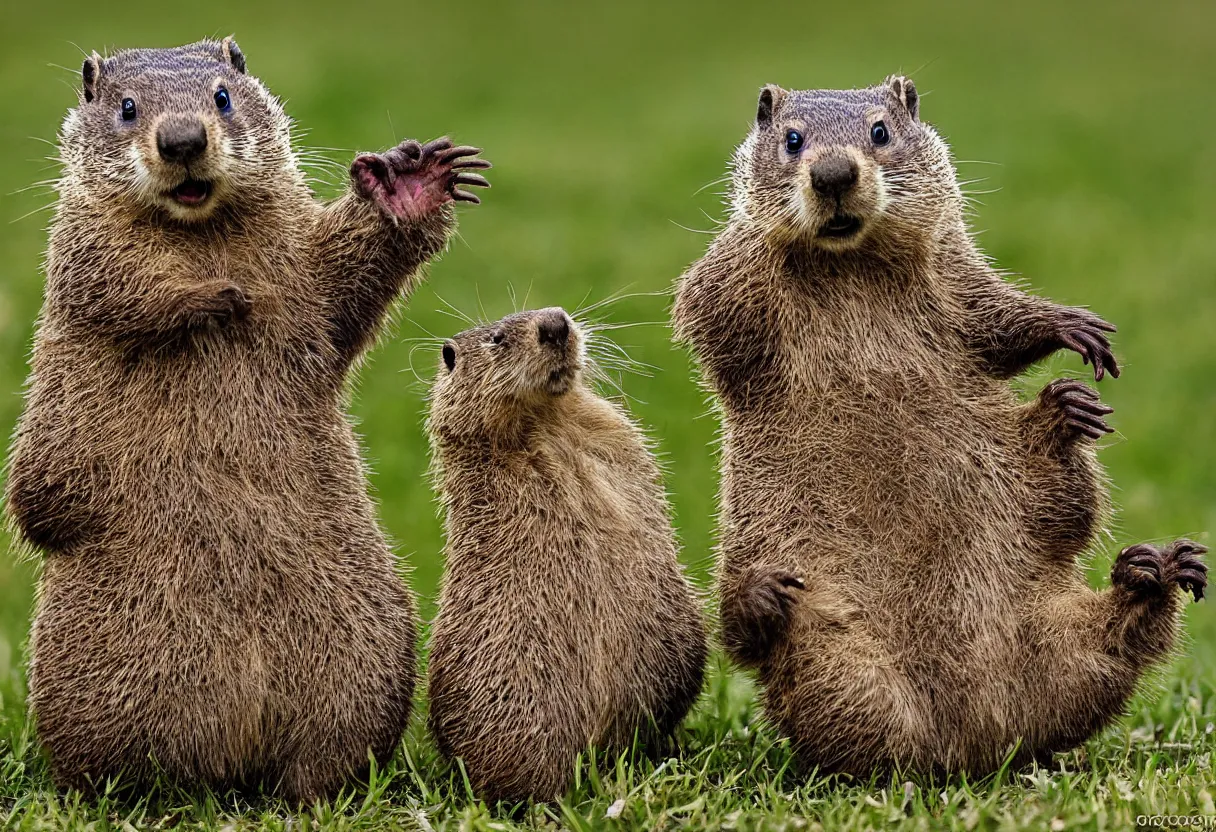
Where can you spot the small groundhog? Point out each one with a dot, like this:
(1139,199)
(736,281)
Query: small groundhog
(217,601)
(900,534)
(565,619)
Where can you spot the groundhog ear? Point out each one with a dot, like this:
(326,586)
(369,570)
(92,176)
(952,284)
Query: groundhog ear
(234,55)
(770,99)
(90,74)
(449,357)
(905,91)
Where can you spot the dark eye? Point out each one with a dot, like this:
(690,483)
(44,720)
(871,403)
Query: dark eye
(223,100)
(498,338)
(449,357)
(793,141)
(128,109)
(879,134)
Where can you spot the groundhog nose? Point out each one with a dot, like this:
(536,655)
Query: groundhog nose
(181,140)
(554,329)
(833,176)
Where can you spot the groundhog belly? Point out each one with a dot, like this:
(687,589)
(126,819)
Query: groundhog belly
(239,551)
(895,489)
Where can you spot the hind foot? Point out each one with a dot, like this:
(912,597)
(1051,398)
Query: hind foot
(1148,572)
(413,181)
(1076,409)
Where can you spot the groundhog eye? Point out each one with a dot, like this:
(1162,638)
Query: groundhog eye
(879,134)
(793,141)
(128,109)
(449,357)
(223,100)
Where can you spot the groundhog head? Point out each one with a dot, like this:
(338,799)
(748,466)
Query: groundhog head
(494,378)
(836,168)
(181,131)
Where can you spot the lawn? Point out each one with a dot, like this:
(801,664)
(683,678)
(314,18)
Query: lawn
(1090,127)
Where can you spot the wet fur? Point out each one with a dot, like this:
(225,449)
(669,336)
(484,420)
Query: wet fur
(217,599)
(565,620)
(873,450)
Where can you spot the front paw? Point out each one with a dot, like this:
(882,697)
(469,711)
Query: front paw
(759,611)
(1076,408)
(1147,571)
(413,181)
(1084,332)
(219,304)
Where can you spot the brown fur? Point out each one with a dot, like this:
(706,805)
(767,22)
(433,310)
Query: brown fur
(217,599)
(565,619)
(900,535)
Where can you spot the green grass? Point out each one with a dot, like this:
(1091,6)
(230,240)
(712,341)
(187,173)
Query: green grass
(603,124)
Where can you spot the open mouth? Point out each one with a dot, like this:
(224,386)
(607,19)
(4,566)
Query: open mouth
(191,192)
(840,226)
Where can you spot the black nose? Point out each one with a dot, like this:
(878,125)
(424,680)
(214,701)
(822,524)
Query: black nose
(181,139)
(833,176)
(554,328)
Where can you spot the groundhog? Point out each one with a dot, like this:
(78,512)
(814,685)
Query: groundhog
(217,602)
(899,534)
(565,620)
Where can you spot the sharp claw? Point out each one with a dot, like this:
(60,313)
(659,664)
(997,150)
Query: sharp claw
(480,164)
(471,179)
(456,152)
(1069,341)
(436,145)
(1192,584)
(465,196)
(1079,419)
(1075,397)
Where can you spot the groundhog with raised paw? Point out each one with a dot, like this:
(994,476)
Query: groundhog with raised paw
(217,601)
(900,534)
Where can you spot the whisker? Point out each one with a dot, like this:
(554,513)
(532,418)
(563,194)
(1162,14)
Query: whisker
(29,214)
(620,296)
(692,230)
(717,181)
(455,312)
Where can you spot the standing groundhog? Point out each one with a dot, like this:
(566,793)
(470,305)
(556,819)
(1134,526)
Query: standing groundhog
(899,534)
(217,600)
(565,619)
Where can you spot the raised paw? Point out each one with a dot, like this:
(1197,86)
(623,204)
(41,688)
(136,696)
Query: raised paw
(1187,568)
(1084,332)
(414,180)
(1146,570)
(1077,407)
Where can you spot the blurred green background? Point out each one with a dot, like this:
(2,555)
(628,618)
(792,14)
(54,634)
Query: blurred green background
(605,122)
